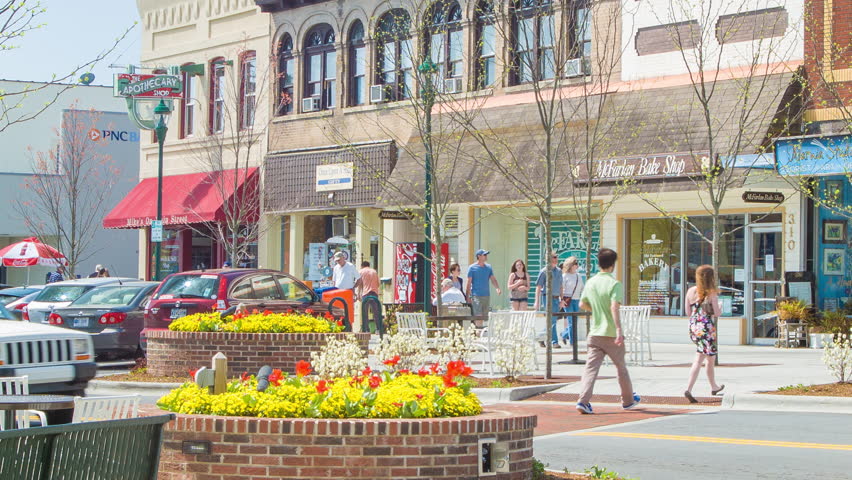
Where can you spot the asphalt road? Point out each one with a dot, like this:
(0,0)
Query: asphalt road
(710,445)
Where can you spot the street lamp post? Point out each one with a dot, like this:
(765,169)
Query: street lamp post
(161,115)
(428,70)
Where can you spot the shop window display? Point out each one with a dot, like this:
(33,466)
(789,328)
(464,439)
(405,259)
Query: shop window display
(662,257)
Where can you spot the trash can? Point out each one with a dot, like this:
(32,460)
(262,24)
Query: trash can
(346,295)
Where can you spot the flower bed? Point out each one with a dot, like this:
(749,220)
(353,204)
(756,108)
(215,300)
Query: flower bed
(259,322)
(175,353)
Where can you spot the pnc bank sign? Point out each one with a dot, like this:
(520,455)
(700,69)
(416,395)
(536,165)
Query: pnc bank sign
(97,135)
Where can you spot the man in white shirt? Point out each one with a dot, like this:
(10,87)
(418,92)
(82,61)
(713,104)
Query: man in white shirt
(449,293)
(345,274)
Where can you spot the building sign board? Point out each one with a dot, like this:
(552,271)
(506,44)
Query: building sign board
(763,197)
(646,167)
(824,155)
(393,215)
(336,176)
(147,86)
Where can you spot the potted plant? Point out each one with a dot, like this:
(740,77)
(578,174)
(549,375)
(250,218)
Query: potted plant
(836,322)
(791,312)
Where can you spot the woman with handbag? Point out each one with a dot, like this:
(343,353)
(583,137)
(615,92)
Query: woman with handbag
(572,289)
(704,311)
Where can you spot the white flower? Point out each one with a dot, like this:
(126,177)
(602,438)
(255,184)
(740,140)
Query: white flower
(410,347)
(339,358)
(837,357)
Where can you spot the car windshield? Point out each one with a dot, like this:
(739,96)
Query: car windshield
(62,293)
(190,286)
(111,295)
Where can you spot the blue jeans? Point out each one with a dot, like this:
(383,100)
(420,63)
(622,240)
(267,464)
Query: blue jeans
(555,308)
(574,306)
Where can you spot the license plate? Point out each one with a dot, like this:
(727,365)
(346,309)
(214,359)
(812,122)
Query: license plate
(81,322)
(177,313)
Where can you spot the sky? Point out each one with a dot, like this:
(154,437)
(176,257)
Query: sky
(75,32)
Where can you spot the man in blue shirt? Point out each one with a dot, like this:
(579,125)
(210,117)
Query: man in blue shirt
(555,294)
(56,276)
(478,291)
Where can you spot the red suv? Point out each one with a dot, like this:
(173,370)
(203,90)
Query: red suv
(196,291)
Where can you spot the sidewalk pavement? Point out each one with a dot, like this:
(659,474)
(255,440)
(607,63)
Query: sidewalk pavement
(743,369)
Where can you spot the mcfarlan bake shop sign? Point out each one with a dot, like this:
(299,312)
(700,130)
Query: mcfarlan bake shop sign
(668,165)
(763,197)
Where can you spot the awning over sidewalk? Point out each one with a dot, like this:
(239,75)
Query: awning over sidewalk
(189,198)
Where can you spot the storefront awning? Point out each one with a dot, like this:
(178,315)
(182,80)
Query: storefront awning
(189,198)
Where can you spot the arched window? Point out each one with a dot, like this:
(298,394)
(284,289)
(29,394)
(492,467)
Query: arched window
(395,55)
(320,69)
(357,64)
(286,69)
(248,88)
(486,68)
(217,95)
(534,32)
(446,41)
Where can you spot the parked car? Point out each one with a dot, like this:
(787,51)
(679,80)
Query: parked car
(16,298)
(57,360)
(112,314)
(196,291)
(61,294)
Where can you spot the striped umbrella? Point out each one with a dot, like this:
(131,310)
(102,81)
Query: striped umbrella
(29,252)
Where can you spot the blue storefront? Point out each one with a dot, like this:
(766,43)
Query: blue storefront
(825,162)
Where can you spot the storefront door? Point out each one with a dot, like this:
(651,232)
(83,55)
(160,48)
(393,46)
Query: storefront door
(764,280)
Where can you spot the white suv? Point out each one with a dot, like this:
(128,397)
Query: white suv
(57,360)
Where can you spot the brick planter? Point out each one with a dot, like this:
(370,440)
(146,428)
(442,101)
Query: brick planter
(291,448)
(175,353)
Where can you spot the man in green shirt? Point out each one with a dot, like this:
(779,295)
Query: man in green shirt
(602,296)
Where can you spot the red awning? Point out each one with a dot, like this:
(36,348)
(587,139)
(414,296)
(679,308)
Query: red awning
(190,198)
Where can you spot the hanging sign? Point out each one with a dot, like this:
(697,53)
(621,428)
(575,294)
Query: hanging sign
(763,197)
(147,86)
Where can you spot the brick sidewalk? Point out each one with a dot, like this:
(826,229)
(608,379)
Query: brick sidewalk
(559,418)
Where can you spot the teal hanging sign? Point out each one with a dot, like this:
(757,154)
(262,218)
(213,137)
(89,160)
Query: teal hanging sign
(148,86)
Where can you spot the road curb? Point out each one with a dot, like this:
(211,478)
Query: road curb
(490,396)
(786,403)
(96,386)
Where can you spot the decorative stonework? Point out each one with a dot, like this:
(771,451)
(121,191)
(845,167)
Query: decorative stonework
(312,449)
(175,353)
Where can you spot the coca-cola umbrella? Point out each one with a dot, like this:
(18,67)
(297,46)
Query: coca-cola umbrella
(29,252)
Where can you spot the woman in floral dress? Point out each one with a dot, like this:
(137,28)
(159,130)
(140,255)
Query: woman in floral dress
(704,311)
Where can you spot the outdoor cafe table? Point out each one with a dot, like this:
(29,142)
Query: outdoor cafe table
(574,340)
(10,404)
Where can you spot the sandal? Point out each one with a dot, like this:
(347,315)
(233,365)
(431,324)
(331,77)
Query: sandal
(689,397)
(716,392)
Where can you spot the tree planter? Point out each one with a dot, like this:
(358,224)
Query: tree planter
(175,353)
(218,448)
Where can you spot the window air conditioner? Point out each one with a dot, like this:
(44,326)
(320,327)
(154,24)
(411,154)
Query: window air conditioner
(574,67)
(377,93)
(453,85)
(339,227)
(310,104)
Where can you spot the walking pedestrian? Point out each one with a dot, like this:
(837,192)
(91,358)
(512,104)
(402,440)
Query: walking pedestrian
(555,294)
(368,281)
(478,291)
(602,296)
(518,285)
(572,289)
(344,274)
(704,311)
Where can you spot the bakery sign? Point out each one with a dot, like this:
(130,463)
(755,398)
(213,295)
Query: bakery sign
(665,165)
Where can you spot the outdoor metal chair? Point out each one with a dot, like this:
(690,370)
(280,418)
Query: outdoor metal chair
(92,409)
(20,386)
(416,323)
(635,325)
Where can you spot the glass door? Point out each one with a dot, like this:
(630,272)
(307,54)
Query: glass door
(764,282)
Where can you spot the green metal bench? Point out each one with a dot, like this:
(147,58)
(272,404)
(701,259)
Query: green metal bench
(127,449)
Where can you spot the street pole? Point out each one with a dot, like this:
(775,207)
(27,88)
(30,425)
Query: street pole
(161,113)
(428,69)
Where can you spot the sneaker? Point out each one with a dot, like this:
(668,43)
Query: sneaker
(585,408)
(555,345)
(636,400)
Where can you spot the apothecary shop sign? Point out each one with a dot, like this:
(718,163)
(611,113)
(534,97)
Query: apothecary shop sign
(666,165)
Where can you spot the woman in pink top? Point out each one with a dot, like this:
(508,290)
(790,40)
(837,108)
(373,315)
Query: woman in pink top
(704,311)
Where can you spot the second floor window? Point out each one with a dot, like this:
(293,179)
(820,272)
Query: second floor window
(320,68)
(534,41)
(582,41)
(286,69)
(217,95)
(357,64)
(187,111)
(445,41)
(248,89)
(395,67)
(486,45)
